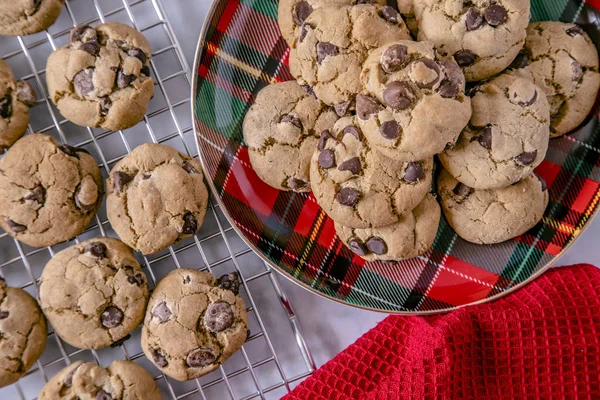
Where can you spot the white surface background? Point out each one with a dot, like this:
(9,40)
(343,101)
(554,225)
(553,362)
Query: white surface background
(330,327)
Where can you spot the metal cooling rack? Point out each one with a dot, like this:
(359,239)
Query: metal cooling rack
(275,357)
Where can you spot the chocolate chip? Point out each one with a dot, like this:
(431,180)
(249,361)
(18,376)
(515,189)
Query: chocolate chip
(521,61)
(137,279)
(390,129)
(462,190)
(398,95)
(137,53)
(159,359)
(105,103)
(124,80)
(218,316)
(111,317)
(449,146)
(77,32)
(296,184)
(69,378)
(187,279)
(353,130)
(485,137)
(103,395)
(431,65)
(464,58)
(367,106)
(6,106)
(189,168)
(574,31)
(36,7)
(358,247)
(344,108)
(543,182)
(325,49)
(327,159)
(393,58)
(190,225)
(526,158)
(474,20)
(162,312)
(414,172)
(120,342)
(323,139)
(145,70)
(495,15)
(348,196)
(390,14)
(201,357)
(83,82)
(447,89)
(291,119)
(96,249)
(25,93)
(15,227)
(376,245)
(230,282)
(3,314)
(121,179)
(38,195)
(529,102)
(79,203)
(121,44)
(309,90)
(72,151)
(353,165)
(91,47)
(302,11)
(577,71)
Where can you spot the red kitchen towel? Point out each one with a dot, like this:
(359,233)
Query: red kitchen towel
(541,342)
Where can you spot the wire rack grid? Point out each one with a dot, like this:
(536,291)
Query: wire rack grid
(275,357)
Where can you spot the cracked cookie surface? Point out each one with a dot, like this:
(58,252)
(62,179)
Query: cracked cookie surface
(333,44)
(281,130)
(102,77)
(94,293)
(49,192)
(121,380)
(507,137)
(563,61)
(414,105)
(23,333)
(359,187)
(493,215)
(484,36)
(291,14)
(24,17)
(194,322)
(15,100)
(156,197)
(410,237)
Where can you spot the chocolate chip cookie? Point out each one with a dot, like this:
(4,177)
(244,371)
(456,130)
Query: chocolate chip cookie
(483,36)
(507,137)
(563,61)
(194,323)
(359,187)
(94,293)
(15,100)
(281,130)
(24,17)
(493,215)
(410,237)
(156,197)
(414,105)
(49,192)
(123,380)
(334,42)
(292,14)
(102,77)
(22,333)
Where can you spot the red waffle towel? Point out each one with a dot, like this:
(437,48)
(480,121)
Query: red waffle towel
(541,342)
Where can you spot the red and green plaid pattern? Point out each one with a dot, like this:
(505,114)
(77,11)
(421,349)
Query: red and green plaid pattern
(242,52)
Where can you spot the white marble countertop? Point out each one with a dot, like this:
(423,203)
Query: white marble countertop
(330,327)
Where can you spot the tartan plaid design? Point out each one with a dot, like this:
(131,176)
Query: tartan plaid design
(242,52)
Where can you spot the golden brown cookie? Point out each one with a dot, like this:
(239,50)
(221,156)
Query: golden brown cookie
(24,17)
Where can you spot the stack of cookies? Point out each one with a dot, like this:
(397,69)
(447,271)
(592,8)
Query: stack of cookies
(472,97)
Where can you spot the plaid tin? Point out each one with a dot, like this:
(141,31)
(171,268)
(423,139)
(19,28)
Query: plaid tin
(242,51)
